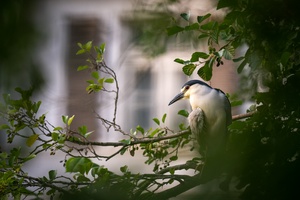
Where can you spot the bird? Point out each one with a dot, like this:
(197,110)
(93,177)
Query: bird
(209,118)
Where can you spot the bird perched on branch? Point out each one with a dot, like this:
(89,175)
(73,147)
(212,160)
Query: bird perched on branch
(210,116)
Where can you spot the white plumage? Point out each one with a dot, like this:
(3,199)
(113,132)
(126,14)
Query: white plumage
(210,116)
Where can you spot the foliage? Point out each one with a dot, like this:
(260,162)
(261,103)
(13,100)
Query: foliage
(16,17)
(24,121)
(263,150)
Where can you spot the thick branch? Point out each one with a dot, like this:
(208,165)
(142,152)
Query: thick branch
(181,188)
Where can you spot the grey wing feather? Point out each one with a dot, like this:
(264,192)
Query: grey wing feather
(197,124)
(227,107)
(228,112)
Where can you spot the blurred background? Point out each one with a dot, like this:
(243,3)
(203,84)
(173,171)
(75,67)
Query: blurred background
(38,48)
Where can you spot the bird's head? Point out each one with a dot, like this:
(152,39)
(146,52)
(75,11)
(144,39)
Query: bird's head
(188,89)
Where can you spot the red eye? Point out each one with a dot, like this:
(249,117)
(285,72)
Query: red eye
(187,87)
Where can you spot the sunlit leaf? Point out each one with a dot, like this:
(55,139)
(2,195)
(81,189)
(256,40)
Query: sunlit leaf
(95,75)
(82,67)
(164,118)
(31,140)
(156,121)
(81,51)
(109,80)
(70,120)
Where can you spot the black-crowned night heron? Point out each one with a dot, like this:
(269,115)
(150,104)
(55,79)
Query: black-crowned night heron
(210,116)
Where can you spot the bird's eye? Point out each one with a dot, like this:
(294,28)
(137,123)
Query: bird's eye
(187,87)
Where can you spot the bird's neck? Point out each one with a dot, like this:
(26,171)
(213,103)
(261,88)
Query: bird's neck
(200,99)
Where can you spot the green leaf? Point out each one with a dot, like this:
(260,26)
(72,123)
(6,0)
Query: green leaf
(239,125)
(225,3)
(183,113)
(209,26)
(4,126)
(31,156)
(285,57)
(236,103)
(79,44)
(192,27)
(54,136)
(78,164)
(58,128)
(185,16)
(109,80)
(241,66)
(52,174)
(124,168)
(88,46)
(127,142)
(163,119)
(82,130)
(36,106)
(95,75)
(31,139)
(102,47)
(238,59)
(172,171)
(197,55)
(204,35)
(82,67)
(141,129)
(229,53)
(180,61)
(189,69)
(82,178)
(173,158)
(86,135)
(174,30)
(64,118)
(182,126)
(153,133)
(81,51)
(202,18)
(156,121)
(70,120)
(205,72)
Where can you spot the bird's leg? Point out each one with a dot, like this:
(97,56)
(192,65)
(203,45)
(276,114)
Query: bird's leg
(204,162)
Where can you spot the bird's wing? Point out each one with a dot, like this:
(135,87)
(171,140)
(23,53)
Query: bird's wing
(197,124)
(227,107)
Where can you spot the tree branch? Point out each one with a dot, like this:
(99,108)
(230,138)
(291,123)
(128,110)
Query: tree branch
(243,116)
(156,139)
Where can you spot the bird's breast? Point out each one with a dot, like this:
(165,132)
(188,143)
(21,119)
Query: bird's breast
(211,103)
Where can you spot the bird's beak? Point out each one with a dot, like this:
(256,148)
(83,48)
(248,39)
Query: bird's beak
(177,97)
